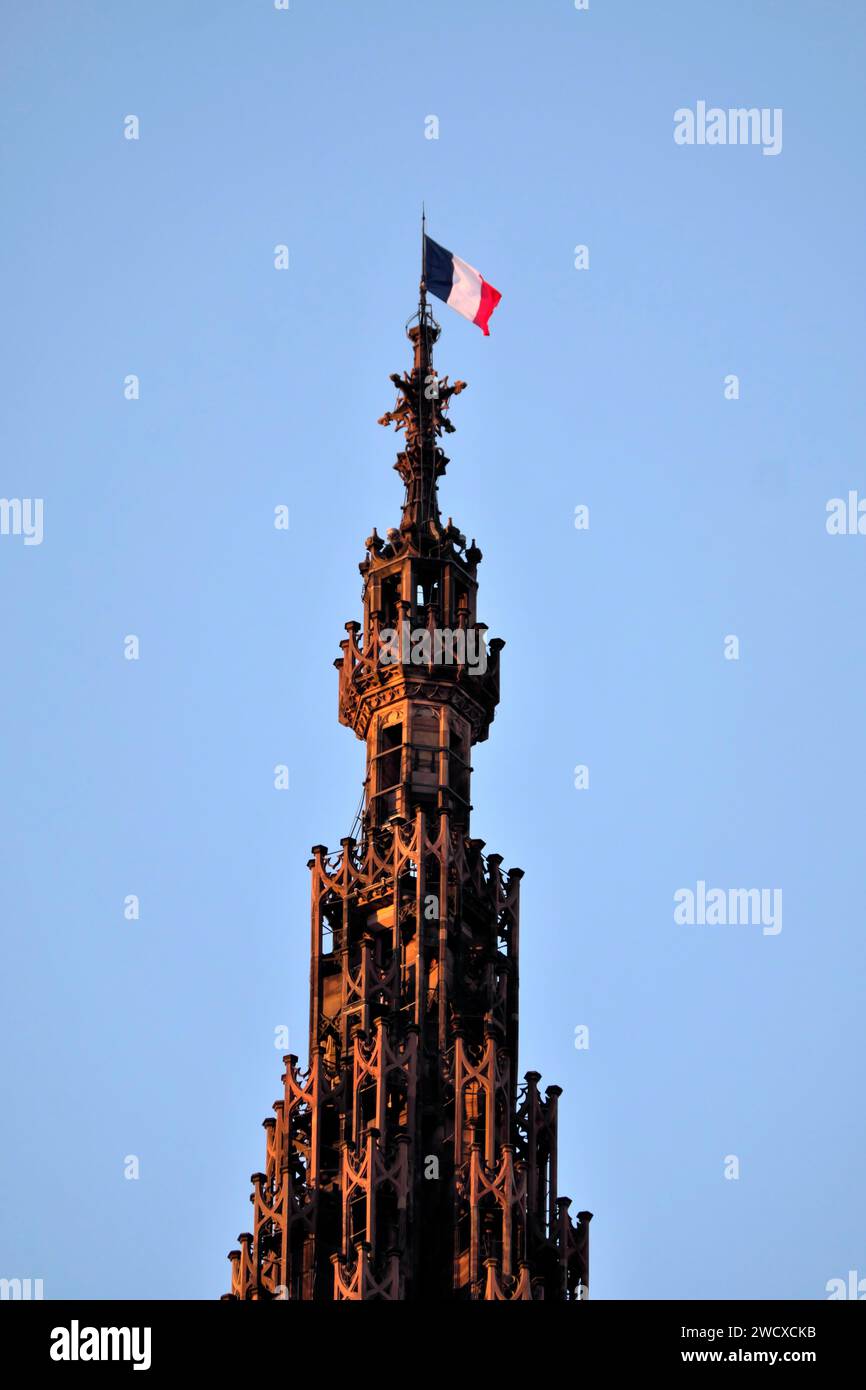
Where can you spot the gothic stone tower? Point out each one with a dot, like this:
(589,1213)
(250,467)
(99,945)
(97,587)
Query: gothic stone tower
(409,1162)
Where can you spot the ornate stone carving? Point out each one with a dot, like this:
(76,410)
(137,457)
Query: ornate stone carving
(407,1163)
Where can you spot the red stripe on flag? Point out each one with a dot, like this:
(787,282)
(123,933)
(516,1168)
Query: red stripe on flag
(489,300)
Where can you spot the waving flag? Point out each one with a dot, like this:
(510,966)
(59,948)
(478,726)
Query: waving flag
(459,284)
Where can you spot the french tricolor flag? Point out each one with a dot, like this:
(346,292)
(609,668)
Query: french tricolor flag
(459,284)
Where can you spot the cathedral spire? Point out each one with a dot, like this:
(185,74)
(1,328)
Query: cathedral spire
(409,1161)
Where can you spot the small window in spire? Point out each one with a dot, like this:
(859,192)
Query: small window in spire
(426,592)
(390,593)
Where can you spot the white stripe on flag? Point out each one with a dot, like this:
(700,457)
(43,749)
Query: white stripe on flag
(465,294)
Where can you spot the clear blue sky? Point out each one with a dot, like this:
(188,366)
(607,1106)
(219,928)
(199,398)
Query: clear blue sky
(605,387)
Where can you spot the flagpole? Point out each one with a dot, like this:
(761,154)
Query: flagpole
(423,306)
(423,327)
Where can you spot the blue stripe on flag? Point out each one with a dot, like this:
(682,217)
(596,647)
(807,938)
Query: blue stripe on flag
(440,269)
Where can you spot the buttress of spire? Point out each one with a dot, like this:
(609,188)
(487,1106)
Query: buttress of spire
(420,412)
